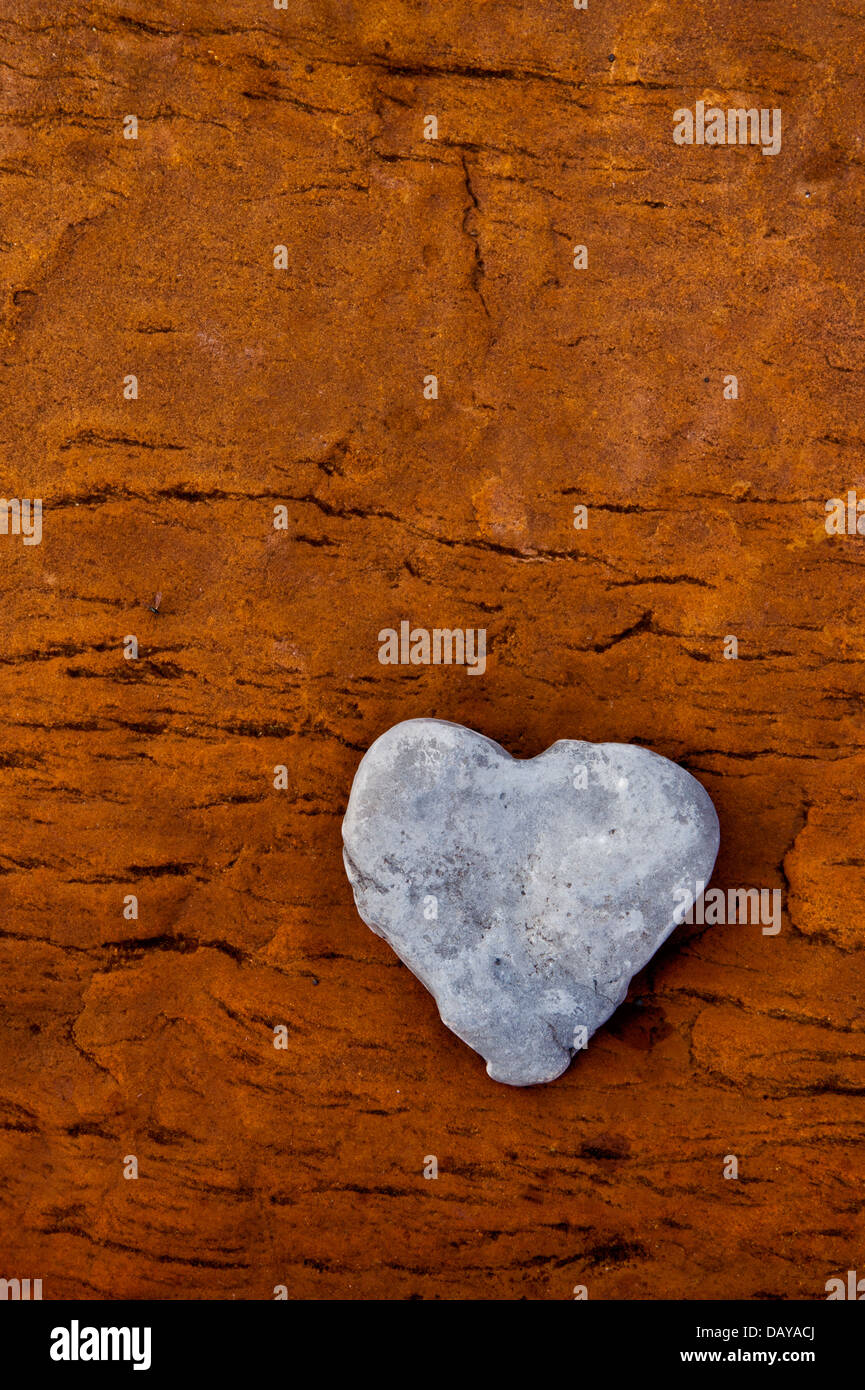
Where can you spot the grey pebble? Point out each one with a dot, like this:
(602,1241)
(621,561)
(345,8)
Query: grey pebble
(523,893)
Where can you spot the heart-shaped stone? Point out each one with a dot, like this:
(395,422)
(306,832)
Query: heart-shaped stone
(524,893)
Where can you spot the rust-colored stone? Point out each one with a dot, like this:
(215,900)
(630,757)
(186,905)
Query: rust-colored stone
(304,387)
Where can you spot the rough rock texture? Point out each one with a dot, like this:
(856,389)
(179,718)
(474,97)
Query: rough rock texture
(523,894)
(154,1036)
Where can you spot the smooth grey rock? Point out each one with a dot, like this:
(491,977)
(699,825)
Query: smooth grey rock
(524,893)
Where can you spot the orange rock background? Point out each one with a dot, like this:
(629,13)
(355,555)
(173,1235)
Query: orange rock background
(258,387)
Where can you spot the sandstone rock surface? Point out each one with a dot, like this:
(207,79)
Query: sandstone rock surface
(557,387)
